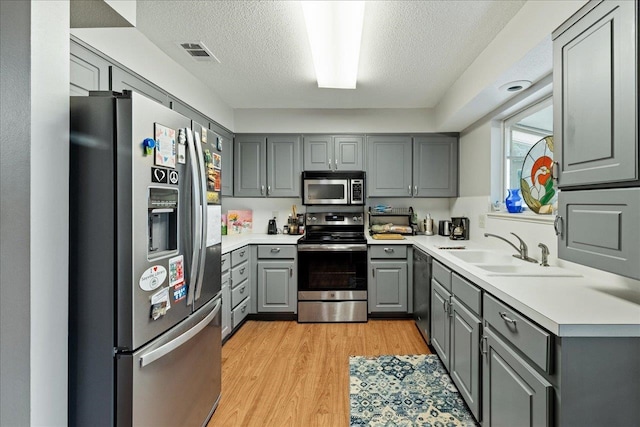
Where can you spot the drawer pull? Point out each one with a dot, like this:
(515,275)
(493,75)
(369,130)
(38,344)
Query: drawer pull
(503,314)
(389,250)
(242,290)
(224,260)
(242,253)
(244,308)
(242,270)
(276,250)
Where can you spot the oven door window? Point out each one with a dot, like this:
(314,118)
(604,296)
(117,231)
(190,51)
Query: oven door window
(325,191)
(324,271)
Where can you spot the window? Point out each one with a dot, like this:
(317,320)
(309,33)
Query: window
(521,132)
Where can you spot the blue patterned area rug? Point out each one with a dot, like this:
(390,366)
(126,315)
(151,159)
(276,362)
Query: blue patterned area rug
(404,391)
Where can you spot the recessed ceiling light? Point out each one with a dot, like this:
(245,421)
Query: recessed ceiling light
(515,86)
(335,31)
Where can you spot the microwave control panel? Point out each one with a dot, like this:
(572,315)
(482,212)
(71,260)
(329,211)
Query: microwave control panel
(357,191)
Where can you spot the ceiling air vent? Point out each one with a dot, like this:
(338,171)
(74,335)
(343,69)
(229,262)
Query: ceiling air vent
(199,52)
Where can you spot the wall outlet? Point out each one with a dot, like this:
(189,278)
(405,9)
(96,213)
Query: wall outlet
(481,220)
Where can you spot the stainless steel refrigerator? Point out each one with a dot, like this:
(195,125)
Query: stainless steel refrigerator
(144,304)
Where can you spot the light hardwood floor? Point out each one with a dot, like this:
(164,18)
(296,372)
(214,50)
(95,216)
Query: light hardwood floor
(284,373)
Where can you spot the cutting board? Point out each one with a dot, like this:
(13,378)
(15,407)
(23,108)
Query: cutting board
(388,236)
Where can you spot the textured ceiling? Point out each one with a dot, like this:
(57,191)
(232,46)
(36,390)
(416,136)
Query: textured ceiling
(412,51)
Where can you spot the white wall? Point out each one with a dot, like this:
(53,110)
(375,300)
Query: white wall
(49,211)
(133,50)
(333,120)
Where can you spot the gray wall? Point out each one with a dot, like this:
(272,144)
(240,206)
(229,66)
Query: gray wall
(34,157)
(15,130)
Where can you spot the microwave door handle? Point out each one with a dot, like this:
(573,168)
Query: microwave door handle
(203,210)
(196,213)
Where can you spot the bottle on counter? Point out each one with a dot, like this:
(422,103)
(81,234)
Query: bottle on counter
(428,225)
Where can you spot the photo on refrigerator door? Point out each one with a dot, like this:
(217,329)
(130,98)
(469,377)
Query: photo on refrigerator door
(214,184)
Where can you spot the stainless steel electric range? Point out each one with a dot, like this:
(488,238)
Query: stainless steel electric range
(332,268)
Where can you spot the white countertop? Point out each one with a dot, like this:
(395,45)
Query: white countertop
(566,306)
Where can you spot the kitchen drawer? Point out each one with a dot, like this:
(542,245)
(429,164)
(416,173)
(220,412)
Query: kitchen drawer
(239,293)
(522,333)
(239,273)
(277,251)
(240,312)
(467,292)
(225,262)
(239,255)
(442,274)
(388,251)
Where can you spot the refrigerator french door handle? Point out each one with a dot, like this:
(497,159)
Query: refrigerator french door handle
(203,209)
(167,348)
(197,211)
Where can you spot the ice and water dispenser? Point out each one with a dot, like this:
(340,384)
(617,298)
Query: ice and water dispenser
(163,221)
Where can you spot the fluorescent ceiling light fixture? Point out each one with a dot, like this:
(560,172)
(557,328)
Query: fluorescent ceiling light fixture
(335,33)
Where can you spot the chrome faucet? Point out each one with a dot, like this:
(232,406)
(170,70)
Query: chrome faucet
(545,255)
(523,250)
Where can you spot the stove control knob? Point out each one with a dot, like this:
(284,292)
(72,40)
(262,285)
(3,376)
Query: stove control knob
(357,218)
(311,218)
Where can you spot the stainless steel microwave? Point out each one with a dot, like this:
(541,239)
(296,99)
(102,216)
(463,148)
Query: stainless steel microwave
(333,188)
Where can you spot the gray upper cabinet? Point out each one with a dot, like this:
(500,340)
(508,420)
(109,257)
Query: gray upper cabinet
(87,71)
(327,152)
(227,165)
(419,166)
(266,166)
(435,166)
(389,166)
(612,244)
(596,95)
(123,80)
(283,166)
(249,166)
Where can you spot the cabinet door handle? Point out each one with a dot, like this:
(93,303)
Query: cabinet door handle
(242,290)
(450,309)
(483,344)
(557,225)
(290,272)
(503,314)
(389,250)
(335,164)
(415,190)
(555,167)
(373,272)
(262,189)
(329,161)
(444,306)
(409,189)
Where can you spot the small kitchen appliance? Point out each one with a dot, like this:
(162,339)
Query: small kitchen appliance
(459,228)
(444,228)
(344,188)
(272,227)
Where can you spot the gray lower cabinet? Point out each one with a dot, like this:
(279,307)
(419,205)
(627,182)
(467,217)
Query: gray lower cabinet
(595,60)
(277,279)
(464,359)
(331,152)
(240,285)
(266,166)
(599,228)
(440,324)
(514,394)
(389,279)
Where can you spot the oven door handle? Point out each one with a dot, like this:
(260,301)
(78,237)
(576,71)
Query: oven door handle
(332,248)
